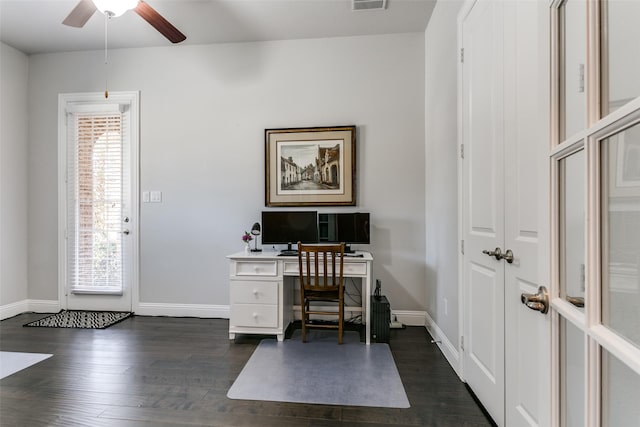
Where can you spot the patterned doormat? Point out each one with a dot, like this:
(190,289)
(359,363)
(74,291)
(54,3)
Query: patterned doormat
(81,319)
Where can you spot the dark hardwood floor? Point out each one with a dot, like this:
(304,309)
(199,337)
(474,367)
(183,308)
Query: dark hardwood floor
(159,371)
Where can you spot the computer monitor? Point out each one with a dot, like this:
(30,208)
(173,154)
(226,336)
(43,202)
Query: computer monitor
(350,228)
(289,227)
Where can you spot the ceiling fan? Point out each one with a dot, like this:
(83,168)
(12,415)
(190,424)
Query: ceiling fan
(112,8)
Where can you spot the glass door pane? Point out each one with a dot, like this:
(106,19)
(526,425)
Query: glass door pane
(620,53)
(620,393)
(620,160)
(572,50)
(572,371)
(572,228)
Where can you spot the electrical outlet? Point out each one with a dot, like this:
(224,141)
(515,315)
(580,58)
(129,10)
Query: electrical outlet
(394,322)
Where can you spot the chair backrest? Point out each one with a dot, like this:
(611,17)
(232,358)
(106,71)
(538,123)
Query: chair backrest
(321,267)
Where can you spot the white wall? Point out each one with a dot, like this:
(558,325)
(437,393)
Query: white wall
(203,114)
(441,181)
(13,175)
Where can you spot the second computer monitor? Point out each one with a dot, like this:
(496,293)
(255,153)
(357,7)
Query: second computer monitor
(350,228)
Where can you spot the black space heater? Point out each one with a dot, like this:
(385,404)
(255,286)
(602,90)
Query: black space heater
(380,318)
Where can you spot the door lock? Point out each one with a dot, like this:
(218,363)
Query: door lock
(538,302)
(497,252)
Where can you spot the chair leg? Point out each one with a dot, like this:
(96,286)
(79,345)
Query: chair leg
(304,320)
(340,321)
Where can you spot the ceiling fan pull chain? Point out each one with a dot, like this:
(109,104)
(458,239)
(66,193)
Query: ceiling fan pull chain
(107,16)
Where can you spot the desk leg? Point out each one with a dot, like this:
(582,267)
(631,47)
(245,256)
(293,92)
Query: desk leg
(367,304)
(232,336)
(368,328)
(280,337)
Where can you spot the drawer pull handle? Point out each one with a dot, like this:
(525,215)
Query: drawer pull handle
(255,292)
(257,269)
(255,315)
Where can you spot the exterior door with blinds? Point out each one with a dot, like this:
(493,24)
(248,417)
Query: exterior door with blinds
(99,224)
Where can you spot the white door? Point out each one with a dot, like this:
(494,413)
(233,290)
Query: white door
(98,209)
(505,133)
(483,211)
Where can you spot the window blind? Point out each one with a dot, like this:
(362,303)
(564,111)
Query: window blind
(97,180)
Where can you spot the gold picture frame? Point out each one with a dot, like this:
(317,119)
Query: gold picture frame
(310,166)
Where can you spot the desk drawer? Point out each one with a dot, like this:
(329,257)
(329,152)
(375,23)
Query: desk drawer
(349,269)
(254,315)
(254,268)
(253,292)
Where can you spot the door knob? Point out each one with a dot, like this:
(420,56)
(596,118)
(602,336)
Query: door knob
(497,252)
(508,256)
(538,301)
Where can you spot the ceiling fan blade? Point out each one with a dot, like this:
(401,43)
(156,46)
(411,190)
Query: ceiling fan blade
(80,14)
(156,20)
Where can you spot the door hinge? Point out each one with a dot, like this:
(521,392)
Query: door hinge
(462,55)
(462,343)
(462,151)
(462,246)
(580,78)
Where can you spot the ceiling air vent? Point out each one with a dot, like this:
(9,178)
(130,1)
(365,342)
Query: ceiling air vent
(369,4)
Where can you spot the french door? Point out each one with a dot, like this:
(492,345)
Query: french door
(504,135)
(98,224)
(595,162)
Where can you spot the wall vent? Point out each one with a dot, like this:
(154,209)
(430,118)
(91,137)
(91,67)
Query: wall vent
(368,4)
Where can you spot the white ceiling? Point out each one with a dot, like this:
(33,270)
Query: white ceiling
(35,26)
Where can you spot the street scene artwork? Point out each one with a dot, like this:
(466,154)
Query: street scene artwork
(310,167)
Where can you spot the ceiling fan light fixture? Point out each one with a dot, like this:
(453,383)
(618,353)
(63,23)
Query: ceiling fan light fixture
(115,7)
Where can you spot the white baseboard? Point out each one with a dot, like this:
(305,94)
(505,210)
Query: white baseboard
(26,305)
(449,350)
(182,310)
(13,309)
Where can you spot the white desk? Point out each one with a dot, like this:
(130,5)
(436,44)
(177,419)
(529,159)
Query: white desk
(261,300)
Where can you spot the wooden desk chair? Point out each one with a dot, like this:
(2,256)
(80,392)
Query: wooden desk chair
(321,280)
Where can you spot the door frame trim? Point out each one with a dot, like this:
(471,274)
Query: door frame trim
(462,15)
(133,99)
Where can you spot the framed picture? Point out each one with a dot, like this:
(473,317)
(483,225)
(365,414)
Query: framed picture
(310,166)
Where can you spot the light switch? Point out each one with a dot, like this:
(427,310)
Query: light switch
(145,197)
(156,197)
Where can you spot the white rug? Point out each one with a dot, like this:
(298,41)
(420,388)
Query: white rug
(323,372)
(12,362)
